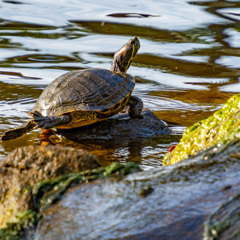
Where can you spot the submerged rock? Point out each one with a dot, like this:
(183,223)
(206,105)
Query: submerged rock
(119,127)
(220,128)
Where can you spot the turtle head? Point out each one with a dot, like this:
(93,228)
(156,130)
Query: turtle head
(124,56)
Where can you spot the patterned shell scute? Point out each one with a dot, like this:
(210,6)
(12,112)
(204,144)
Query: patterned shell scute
(91,90)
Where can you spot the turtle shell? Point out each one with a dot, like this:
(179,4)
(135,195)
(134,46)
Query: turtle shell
(87,95)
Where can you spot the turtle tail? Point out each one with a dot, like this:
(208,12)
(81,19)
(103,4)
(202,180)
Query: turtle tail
(18,132)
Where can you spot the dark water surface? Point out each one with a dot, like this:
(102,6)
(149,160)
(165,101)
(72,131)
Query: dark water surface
(187,67)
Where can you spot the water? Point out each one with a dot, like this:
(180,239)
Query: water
(186,68)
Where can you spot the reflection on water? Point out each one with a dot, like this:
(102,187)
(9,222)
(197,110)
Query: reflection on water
(187,66)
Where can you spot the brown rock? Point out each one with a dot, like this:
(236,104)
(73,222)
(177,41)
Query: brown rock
(28,165)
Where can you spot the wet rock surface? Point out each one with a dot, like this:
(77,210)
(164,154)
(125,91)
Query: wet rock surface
(224,224)
(28,165)
(119,127)
(181,199)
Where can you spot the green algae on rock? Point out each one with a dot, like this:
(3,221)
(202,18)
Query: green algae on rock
(49,191)
(220,128)
(17,228)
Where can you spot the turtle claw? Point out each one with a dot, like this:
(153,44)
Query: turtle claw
(40,120)
(36,115)
(44,124)
(49,122)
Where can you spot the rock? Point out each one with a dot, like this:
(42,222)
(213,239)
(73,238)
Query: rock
(171,202)
(220,128)
(224,224)
(118,128)
(32,178)
(26,166)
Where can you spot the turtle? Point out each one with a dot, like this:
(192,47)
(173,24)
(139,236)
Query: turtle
(83,97)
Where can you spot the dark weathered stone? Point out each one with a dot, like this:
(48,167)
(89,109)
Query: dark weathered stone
(119,127)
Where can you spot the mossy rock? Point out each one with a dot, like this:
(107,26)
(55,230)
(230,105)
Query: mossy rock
(26,166)
(34,177)
(20,226)
(47,192)
(220,128)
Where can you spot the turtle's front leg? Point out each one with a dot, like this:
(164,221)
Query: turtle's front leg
(49,121)
(136,106)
